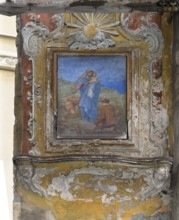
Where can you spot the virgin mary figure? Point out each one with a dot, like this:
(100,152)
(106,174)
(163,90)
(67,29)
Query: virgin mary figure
(89,88)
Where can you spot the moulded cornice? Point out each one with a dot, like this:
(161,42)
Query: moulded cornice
(13,37)
(19,7)
(7,62)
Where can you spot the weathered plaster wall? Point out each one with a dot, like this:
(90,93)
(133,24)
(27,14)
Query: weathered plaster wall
(94,180)
(92,190)
(143,36)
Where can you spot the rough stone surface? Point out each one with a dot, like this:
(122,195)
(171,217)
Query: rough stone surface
(48,2)
(103,6)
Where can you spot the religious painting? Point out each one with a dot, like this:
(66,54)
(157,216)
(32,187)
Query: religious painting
(91,96)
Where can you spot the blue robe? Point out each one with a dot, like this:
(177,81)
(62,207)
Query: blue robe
(89,100)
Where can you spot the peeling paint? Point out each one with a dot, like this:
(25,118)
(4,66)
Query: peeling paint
(98,190)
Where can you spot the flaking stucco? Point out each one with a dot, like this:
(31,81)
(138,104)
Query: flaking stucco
(95,191)
(95,179)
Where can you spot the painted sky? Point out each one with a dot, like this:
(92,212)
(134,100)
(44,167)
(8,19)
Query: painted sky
(111,70)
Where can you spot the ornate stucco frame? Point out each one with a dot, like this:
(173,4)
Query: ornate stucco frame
(45,115)
(51,92)
(147,138)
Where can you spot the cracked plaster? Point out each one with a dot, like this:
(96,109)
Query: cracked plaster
(102,191)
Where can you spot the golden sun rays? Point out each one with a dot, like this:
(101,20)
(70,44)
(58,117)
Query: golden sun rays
(92,30)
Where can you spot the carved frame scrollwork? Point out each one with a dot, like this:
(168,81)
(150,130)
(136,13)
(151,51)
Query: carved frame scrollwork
(144,48)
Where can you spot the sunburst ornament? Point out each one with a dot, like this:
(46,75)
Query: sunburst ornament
(92,30)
